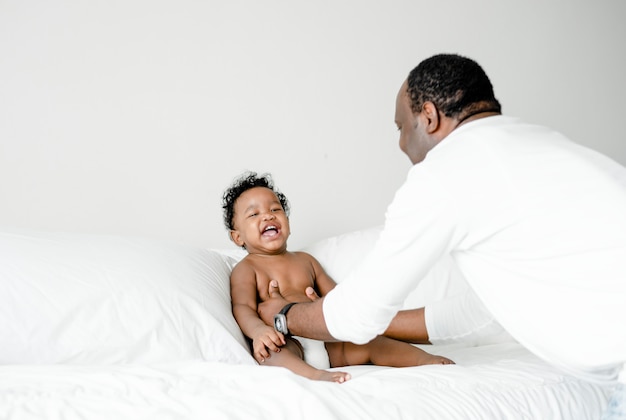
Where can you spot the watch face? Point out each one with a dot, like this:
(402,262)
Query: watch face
(280,323)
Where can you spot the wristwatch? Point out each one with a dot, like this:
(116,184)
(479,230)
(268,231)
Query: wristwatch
(280,319)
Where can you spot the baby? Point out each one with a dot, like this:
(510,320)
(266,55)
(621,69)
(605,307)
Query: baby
(256,215)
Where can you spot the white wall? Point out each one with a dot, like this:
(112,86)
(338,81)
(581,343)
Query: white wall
(132,117)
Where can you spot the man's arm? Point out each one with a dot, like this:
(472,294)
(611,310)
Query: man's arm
(410,326)
(307,319)
(303,319)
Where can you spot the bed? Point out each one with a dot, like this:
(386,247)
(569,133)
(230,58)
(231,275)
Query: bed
(112,327)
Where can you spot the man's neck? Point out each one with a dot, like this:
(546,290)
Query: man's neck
(476,116)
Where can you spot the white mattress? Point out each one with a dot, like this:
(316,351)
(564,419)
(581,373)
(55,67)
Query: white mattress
(100,327)
(501,381)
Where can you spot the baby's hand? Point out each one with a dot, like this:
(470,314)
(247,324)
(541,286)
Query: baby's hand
(266,338)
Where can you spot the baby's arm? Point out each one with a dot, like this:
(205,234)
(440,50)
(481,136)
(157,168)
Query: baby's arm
(243,293)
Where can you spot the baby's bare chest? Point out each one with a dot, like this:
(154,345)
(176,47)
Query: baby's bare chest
(293,278)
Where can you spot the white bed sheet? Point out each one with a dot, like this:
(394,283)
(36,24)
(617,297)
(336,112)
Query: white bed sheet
(500,381)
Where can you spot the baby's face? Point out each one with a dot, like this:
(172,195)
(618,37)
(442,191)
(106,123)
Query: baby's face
(260,222)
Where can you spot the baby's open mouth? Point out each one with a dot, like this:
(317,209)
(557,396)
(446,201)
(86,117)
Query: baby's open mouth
(270,230)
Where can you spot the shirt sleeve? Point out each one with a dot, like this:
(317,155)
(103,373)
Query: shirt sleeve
(463,319)
(421,225)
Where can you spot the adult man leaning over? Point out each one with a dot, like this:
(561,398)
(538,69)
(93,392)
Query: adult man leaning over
(535,223)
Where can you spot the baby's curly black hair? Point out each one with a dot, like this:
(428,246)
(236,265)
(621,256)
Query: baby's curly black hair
(243,183)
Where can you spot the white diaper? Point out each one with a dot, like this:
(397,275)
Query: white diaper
(315,353)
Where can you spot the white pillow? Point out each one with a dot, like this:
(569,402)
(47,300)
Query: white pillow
(232,256)
(71,298)
(339,254)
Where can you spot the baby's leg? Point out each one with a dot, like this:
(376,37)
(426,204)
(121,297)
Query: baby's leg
(383,351)
(386,351)
(291,357)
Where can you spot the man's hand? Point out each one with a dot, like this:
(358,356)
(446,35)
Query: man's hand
(273,305)
(311,294)
(308,318)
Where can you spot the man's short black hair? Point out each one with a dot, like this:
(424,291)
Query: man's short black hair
(243,183)
(457,85)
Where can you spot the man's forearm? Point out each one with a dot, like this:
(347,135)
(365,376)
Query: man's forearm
(409,326)
(307,320)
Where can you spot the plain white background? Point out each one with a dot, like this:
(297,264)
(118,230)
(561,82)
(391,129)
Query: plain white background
(132,117)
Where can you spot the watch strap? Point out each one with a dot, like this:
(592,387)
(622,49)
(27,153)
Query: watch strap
(286,308)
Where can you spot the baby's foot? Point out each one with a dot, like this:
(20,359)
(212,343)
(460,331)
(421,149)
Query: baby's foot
(425,358)
(433,359)
(331,376)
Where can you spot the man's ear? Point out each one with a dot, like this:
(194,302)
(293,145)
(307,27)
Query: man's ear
(431,114)
(236,237)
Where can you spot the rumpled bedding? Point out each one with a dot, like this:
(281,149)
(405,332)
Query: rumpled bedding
(500,381)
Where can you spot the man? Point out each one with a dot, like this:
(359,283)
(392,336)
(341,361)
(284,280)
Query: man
(535,222)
